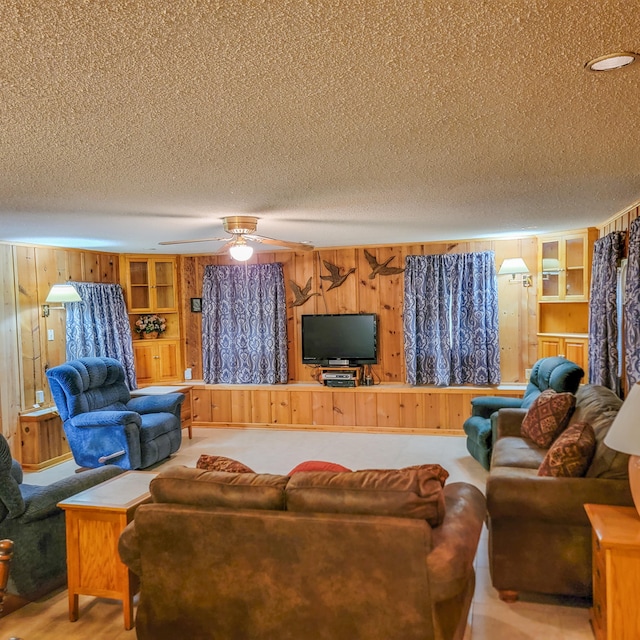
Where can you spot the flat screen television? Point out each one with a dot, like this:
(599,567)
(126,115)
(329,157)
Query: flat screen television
(348,339)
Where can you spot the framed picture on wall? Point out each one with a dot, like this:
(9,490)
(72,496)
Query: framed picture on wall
(196,305)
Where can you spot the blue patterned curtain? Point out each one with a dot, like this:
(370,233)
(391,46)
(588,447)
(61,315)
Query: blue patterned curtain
(603,321)
(244,324)
(451,319)
(632,307)
(99,326)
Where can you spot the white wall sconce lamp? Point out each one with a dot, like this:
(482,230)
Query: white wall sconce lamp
(60,293)
(514,267)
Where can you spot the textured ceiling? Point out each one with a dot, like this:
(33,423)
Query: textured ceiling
(128,122)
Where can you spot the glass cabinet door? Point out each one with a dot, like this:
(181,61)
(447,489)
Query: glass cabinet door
(551,268)
(164,289)
(575,267)
(140,286)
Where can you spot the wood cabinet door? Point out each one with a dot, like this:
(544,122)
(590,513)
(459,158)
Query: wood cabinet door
(576,350)
(548,347)
(167,361)
(144,352)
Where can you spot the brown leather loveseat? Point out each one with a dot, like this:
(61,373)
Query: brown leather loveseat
(320,555)
(539,533)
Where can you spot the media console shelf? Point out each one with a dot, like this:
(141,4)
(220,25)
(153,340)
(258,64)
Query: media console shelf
(341,376)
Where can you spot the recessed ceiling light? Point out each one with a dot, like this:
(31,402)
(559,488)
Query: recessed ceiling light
(611,61)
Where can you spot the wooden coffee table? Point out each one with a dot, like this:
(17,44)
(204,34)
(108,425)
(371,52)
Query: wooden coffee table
(95,519)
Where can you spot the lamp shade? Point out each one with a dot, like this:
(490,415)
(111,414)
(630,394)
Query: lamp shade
(241,251)
(624,435)
(512,266)
(63,293)
(624,432)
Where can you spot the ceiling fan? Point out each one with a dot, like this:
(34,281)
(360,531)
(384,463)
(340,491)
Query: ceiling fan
(242,228)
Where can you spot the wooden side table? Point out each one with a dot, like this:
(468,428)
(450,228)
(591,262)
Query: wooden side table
(616,571)
(43,439)
(95,519)
(158,390)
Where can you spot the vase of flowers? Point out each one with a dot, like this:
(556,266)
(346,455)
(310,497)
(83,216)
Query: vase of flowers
(150,326)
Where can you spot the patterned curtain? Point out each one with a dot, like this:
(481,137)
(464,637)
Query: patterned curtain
(451,319)
(244,324)
(632,307)
(603,321)
(99,326)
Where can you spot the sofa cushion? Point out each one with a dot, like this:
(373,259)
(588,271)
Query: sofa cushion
(599,406)
(570,455)
(221,463)
(414,492)
(197,487)
(318,465)
(548,416)
(512,451)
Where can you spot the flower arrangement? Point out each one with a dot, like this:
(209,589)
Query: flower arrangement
(151,324)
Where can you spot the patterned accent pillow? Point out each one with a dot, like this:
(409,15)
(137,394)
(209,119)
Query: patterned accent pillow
(571,454)
(318,465)
(221,463)
(548,416)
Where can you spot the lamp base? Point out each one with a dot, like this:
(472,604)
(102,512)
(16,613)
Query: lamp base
(634,480)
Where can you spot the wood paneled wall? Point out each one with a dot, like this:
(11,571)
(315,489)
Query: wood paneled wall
(620,221)
(383,295)
(26,348)
(10,376)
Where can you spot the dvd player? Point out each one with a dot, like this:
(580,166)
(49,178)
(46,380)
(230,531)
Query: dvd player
(338,376)
(341,383)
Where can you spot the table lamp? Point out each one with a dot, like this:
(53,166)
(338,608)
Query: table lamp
(624,436)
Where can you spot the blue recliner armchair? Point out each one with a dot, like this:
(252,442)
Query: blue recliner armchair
(29,516)
(104,424)
(555,373)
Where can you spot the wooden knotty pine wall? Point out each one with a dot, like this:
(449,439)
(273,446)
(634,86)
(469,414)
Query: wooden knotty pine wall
(382,295)
(28,272)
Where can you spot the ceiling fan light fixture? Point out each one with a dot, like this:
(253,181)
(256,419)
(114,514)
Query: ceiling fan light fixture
(240,250)
(612,61)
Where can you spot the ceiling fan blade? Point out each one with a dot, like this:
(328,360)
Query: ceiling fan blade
(303,246)
(199,240)
(225,248)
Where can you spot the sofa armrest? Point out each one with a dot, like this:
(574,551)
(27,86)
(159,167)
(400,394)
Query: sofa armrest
(484,406)
(42,501)
(105,419)
(508,423)
(521,494)
(455,541)
(166,403)
(129,549)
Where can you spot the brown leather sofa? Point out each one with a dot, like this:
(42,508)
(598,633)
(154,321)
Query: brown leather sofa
(539,534)
(320,555)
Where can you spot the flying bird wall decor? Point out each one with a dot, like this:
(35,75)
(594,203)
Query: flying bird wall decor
(336,276)
(301,294)
(379,268)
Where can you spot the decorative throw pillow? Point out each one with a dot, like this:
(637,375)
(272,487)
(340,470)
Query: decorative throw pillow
(221,463)
(318,465)
(548,416)
(571,454)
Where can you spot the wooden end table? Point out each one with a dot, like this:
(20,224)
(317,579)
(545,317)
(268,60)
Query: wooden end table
(159,390)
(95,519)
(616,571)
